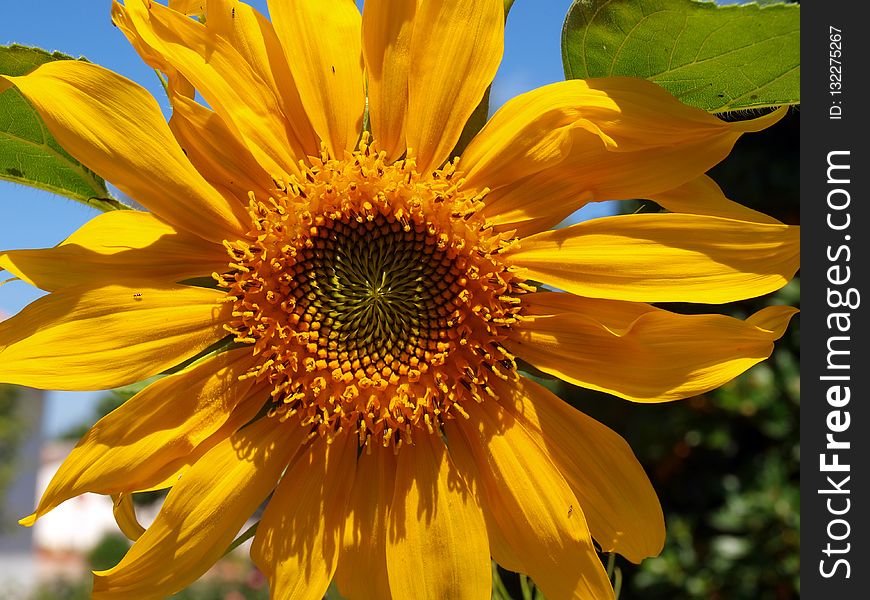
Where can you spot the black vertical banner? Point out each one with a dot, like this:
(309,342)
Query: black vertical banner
(835,359)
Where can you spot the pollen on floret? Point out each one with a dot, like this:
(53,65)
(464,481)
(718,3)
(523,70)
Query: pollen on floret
(373,297)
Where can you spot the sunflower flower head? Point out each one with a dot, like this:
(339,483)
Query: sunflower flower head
(375,300)
(335,313)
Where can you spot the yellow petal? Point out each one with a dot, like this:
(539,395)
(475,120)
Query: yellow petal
(774,319)
(125,516)
(201,515)
(533,204)
(387,26)
(297,542)
(226,81)
(529,506)
(662,258)
(177,84)
(456,48)
(364,547)
(80,338)
(322,44)
(119,244)
(215,151)
(614,492)
(547,152)
(140,443)
(114,127)
(537,130)
(189,7)
(702,196)
(437,545)
(639,352)
(253,36)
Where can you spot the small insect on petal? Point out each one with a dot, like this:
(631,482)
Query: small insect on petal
(137,296)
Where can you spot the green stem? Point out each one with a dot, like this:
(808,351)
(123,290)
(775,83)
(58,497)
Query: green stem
(527,590)
(499,591)
(614,574)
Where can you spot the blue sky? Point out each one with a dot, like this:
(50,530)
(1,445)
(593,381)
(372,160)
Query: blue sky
(32,218)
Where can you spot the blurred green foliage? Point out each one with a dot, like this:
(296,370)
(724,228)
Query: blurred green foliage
(11,435)
(108,551)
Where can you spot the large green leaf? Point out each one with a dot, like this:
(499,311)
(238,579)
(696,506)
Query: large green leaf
(29,154)
(718,58)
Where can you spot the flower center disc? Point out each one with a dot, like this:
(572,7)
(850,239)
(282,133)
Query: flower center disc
(381,294)
(375,299)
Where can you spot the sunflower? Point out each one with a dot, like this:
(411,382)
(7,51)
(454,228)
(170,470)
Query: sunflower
(339,306)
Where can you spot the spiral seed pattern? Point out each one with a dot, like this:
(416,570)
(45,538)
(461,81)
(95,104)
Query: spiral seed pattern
(381,294)
(374,298)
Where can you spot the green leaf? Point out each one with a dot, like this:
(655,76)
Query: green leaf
(718,58)
(29,154)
